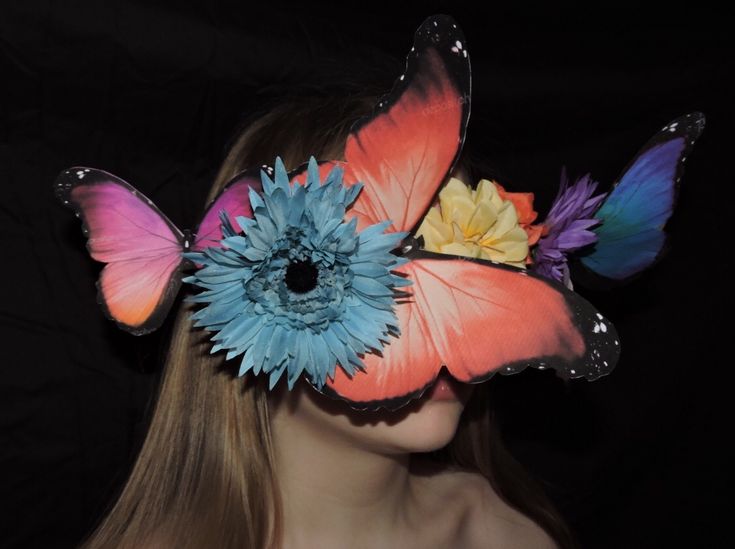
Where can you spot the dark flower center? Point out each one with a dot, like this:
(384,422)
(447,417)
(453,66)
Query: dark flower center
(301,276)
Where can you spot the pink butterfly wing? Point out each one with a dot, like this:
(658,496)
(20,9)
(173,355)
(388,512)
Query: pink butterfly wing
(140,246)
(478,320)
(234,199)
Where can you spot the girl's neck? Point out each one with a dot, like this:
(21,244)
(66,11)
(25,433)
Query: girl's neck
(337,494)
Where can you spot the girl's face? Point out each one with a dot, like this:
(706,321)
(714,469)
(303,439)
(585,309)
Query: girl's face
(422,425)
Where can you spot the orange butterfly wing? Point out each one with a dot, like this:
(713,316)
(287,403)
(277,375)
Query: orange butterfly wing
(404,149)
(473,317)
(477,320)
(299,174)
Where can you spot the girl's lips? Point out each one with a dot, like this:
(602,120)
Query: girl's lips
(448,388)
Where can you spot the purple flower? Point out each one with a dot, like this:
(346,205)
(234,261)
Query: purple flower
(568,222)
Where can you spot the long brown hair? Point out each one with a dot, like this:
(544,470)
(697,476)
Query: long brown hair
(204,476)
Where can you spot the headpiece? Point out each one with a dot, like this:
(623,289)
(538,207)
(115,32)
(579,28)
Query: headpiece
(366,275)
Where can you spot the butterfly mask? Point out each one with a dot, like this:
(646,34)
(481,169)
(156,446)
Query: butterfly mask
(362,274)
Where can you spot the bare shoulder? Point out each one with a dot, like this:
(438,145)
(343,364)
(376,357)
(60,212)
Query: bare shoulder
(479,518)
(491,522)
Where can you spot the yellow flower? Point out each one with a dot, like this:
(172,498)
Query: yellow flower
(475,223)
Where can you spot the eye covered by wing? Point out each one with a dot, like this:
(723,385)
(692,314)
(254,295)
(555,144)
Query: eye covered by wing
(141,247)
(631,237)
(479,318)
(473,317)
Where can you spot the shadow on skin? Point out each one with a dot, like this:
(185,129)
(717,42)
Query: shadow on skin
(336,407)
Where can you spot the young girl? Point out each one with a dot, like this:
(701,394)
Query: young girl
(228,463)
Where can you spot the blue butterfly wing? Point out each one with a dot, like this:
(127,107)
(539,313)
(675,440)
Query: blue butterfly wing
(631,236)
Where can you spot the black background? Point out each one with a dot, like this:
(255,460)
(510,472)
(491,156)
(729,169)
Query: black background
(153,93)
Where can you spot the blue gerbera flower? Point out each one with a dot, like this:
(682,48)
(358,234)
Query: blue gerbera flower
(300,290)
